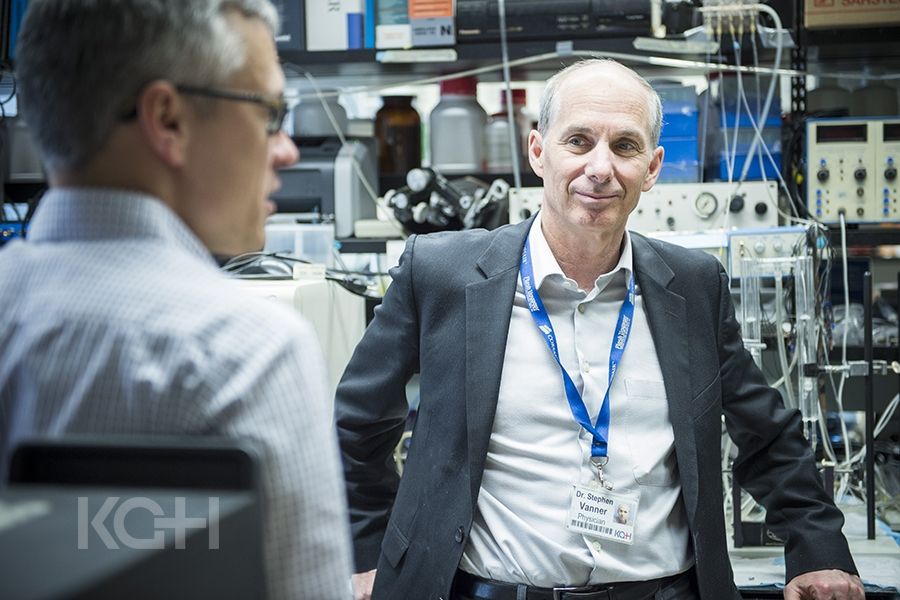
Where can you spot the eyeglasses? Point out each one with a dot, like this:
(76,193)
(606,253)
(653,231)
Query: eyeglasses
(278,108)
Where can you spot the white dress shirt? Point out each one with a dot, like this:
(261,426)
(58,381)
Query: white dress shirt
(537,450)
(115,319)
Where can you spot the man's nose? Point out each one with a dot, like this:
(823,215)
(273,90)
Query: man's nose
(284,151)
(599,164)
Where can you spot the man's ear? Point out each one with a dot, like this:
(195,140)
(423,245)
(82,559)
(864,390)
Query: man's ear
(654,169)
(163,120)
(536,152)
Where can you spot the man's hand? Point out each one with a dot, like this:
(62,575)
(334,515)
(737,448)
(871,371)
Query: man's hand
(825,585)
(362,585)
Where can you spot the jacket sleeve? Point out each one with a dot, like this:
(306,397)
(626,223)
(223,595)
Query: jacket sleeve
(775,462)
(371,409)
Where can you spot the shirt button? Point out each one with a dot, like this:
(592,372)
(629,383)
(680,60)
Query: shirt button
(596,546)
(460,535)
(585,367)
(581,308)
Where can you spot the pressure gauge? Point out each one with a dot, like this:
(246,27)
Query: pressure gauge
(705,205)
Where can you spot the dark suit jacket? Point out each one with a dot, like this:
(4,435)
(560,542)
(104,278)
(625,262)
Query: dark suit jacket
(446,316)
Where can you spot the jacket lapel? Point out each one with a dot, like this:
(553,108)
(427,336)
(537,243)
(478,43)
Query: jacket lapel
(667,317)
(488,310)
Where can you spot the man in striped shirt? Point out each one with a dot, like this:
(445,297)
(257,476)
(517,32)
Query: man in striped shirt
(159,122)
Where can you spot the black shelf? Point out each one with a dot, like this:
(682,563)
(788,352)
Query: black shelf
(867,235)
(471,55)
(23,191)
(888,353)
(353,245)
(856,43)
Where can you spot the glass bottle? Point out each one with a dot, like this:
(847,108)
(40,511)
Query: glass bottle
(398,130)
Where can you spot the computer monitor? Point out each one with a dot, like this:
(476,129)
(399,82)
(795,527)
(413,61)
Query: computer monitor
(111,516)
(178,462)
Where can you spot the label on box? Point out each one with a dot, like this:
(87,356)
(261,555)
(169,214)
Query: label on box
(393,36)
(433,32)
(430,9)
(822,14)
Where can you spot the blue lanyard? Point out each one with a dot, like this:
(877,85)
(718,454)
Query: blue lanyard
(599,430)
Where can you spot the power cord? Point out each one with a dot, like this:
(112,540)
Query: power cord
(245,265)
(357,168)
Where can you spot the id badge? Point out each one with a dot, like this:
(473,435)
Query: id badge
(599,513)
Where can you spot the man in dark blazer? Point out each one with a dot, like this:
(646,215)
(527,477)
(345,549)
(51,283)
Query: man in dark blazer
(459,313)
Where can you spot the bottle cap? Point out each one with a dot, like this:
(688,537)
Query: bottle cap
(518,97)
(464,86)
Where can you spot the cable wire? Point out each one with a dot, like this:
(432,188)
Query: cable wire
(510,117)
(772,83)
(780,322)
(357,168)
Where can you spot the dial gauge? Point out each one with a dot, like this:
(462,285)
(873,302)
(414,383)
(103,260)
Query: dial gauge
(705,205)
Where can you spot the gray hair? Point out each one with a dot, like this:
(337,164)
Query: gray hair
(82,63)
(550,97)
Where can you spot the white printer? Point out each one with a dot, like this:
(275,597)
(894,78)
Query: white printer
(324,186)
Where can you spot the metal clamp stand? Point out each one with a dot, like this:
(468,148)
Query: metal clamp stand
(870,408)
(867,368)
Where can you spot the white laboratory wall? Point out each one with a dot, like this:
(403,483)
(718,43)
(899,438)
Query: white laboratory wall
(337,316)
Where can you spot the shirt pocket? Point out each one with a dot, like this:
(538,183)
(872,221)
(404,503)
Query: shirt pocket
(651,440)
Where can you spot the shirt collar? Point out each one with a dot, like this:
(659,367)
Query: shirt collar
(546,265)
(94,214)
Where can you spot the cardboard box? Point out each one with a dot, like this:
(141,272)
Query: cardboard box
(334,24)
(392,28)
(326,25)
(414,23)
(828,14)
(432,22)
(293,31)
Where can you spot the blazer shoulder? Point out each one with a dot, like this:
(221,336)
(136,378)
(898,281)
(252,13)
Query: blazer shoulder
(460,257)
(679,258)
(465,240)
(459,248)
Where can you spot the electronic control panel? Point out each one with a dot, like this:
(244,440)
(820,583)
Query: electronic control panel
(683,206)
(851,169)
(12,221)
(780,242)
(9,231)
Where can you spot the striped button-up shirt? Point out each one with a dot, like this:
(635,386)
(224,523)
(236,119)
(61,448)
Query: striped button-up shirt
(114,319)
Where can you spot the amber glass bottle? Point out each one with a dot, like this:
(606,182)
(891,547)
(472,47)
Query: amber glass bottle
(398,130)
